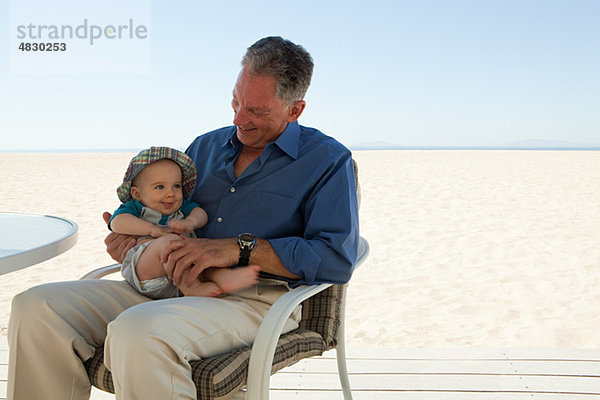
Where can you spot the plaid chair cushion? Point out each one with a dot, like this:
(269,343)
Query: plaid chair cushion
(221,376)
(321,314)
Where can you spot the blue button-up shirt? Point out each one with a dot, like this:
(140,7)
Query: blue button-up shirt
(299,194)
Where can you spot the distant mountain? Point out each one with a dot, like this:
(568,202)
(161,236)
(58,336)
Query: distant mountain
(532,144)
(551,144)
(545,143)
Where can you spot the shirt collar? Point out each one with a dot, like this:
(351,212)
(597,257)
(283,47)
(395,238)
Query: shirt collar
(287,141)
(231,140)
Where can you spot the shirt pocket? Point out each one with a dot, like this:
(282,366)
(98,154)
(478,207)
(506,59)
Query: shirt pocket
(275,215)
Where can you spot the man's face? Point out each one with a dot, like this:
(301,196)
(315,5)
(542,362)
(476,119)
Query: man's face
(158,186)
(259,115)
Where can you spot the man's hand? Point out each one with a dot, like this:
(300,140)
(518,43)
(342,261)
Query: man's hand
(117,245)
(196,255)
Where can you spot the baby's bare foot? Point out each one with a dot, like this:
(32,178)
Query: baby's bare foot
(232,279)
(201,289)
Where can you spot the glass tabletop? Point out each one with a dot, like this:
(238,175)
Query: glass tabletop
(28,239)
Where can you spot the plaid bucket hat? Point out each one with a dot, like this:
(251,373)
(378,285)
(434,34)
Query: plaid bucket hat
(147,157)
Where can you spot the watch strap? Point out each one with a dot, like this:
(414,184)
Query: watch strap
(244,257)
(246,241)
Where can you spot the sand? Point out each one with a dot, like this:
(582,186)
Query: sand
(468,248)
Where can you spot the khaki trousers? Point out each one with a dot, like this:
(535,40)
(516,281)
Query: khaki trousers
(53,328)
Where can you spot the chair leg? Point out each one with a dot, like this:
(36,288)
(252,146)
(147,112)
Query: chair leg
(341,351)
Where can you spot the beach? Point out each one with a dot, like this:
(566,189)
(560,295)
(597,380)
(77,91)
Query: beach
(469,248)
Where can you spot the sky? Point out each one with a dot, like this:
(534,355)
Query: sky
(412,73)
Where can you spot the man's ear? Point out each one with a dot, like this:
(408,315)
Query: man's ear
(296,110)
(135,193)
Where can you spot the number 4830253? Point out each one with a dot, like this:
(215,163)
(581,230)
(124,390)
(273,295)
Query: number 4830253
(42,46)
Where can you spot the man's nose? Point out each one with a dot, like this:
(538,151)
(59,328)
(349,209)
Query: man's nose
(240,118)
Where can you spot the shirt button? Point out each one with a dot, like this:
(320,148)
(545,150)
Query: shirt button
(219,219)
(232,189)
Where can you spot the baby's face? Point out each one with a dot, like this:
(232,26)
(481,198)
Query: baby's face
(158,187)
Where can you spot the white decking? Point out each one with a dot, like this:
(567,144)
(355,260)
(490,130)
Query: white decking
(432,374)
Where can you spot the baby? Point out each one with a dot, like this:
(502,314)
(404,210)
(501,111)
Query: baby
(154,194)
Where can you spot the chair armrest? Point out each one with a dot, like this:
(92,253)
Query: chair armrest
(263,349)
(101,272)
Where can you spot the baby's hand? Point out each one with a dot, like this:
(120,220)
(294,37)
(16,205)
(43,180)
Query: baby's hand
(158,231)
(181,226)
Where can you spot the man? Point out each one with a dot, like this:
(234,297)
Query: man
(290,186)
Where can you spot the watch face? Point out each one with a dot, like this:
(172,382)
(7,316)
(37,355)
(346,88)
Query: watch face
(246,239)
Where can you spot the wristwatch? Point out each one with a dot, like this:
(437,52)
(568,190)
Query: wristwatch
(246,242)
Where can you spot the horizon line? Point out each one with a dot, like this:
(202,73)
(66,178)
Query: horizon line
(474,147)
(357,147)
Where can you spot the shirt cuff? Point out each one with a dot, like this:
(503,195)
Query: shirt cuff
(298,257)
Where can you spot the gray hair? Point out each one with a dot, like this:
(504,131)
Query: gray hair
(289,63)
